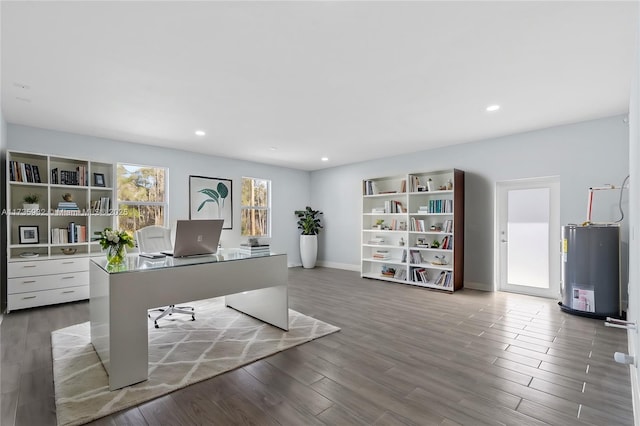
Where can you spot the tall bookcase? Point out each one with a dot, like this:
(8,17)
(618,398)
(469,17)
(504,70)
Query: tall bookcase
(413,229)
(44,268)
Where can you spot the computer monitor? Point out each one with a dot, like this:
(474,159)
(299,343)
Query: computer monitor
(196,237)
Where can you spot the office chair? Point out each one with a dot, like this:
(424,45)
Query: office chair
(154,239)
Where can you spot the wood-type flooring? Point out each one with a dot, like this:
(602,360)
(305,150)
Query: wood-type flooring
(404,356)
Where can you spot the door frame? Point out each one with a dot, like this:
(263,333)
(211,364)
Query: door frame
(501,206)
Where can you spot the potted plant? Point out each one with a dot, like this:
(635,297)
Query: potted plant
(309,223)
(31,202)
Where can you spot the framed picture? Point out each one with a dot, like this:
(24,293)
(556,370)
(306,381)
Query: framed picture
(28,234)
(98,179)
(211,198)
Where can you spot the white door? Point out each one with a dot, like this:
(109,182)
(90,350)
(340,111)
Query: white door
(528,236)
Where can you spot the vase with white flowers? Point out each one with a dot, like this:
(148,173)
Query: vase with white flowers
(115,243)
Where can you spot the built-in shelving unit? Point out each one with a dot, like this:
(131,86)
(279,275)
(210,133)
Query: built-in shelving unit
(39,270)
(413,229)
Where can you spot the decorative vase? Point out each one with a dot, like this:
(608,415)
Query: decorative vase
(116,254)
(308,250)
(31,207)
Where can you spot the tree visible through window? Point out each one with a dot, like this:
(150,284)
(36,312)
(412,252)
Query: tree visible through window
(256,207)
(142,194)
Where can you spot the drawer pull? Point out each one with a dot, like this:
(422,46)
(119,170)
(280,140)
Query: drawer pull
(29,297)
(68,291)
(28,282)
(29,266)
(68,263)
(67,278)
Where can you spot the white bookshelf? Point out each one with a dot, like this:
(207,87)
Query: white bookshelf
(404,217)
(48,275)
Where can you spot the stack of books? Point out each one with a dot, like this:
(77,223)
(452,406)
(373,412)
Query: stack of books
(67,205)
(381,255)
(259,250)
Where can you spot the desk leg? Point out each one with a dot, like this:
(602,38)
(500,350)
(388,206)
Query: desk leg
(270,305)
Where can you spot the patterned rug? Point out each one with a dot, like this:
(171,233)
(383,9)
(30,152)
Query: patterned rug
(181,352)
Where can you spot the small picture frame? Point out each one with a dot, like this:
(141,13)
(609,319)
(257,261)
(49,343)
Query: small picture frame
(98,179)
(28,234)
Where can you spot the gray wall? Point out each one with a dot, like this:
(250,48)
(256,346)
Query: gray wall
(290,188)
(583,155)
(3,218)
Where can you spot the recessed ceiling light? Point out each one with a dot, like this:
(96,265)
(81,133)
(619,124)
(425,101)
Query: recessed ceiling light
(273,148)
(325,158)
(492,108)
(200,132)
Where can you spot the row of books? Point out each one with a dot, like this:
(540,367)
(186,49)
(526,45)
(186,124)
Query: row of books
(376,240)
(444,279)
(415,256)
(101,206)
(394,206)
(76,177)
(73,233)
(416,186)
(447,243)
(423,275)
(447,226)
(420,275)
(417,225)
(437,206)
(23,172)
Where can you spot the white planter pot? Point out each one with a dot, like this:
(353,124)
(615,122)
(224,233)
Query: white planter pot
(31,207)
(308,250)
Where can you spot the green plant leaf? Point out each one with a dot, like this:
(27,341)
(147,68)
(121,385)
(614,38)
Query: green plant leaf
(210,192)
(208,200)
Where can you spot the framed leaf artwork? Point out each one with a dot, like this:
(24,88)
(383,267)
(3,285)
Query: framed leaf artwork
(211,198)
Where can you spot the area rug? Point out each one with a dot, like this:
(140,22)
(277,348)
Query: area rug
(181,352)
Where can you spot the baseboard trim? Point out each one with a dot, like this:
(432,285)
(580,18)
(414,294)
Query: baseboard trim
(473,285)
(336,265)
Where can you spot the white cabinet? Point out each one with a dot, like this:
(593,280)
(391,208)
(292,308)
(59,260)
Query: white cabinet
(74,201)
(413,229)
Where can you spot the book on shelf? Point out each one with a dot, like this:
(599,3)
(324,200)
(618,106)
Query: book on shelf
(376,240)
(378,210)
(388,271)
(415,256)
(370,188)
(100,206)
(381,255)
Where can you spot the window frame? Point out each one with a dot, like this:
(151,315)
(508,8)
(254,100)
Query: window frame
(268,208)
(164,204)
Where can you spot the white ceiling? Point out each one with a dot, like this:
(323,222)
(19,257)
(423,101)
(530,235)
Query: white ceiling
(286,83)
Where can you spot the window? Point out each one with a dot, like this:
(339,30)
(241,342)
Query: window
(256,207)
(142,199)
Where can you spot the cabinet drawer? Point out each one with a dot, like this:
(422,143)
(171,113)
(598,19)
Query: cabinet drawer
(46,282)
(46,297)
(47,267)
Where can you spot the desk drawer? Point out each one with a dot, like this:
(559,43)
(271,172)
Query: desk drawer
(46,282)
(46,297)
(46,267)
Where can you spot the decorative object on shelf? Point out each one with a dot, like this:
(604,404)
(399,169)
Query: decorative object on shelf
(440,260)
(435,244)
(29,254)
(31,202)
(115,243)
(449,185)
(309,223)
(208,199)
(68,250)
(98,179)
(401,242)
(28,234)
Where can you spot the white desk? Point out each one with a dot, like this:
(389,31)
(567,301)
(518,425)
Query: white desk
(119,300)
